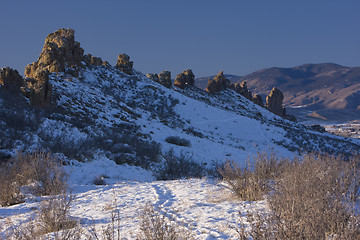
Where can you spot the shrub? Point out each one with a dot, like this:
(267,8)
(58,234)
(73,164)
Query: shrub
(9,189)
(53,214)
(177,167)
(313,198)
(40,168)
(178,141)
(40,172)
(253,181)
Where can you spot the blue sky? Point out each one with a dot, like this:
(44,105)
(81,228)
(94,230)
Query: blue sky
(236,36)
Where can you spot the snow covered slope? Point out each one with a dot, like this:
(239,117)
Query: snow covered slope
(105,113)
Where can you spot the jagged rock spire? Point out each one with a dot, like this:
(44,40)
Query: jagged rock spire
(60,52)
(274,102)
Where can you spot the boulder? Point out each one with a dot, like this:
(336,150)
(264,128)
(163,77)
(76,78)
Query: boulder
(124,64)
(60,53)
(10,79)
(218,83)
(186,78)
(165,78)
(274,102)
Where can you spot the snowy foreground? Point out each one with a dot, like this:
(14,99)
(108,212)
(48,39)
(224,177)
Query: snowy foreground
(205,207)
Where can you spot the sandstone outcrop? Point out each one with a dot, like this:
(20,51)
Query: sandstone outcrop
(243,90)
(61,53)
(186,78)
(124,64)
(10,79)
(257,99)
(153,76)
(165,78)
(218,83)
(274,102)
(95,61)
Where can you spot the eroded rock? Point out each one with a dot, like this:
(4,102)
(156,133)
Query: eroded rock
(10,79)
(257,99)
(165,78)
(274,102)
(153,76)
(186,78)
(95,61)
(218,83)
(124,64)
(61,53)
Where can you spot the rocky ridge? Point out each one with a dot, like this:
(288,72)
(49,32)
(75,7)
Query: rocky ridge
(100,109)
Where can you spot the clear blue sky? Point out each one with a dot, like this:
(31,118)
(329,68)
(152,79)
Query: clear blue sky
(237,36)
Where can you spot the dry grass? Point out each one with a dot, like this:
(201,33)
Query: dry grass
(313,198)
(253,181)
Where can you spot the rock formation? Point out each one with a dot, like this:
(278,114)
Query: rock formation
(153,76)
(274,102)
(95,61)
(257,99)
(165,78)
(61,53)
(243,90)
(124,64)
(186,78)
(218,83)
(10,79)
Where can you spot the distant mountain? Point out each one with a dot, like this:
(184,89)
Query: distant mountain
(326,88)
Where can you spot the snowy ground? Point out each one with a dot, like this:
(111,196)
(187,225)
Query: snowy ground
(205,207)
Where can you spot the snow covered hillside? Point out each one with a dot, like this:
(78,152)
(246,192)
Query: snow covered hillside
(106,122)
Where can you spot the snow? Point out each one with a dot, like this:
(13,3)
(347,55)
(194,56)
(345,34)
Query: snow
(203,206)
(222,127)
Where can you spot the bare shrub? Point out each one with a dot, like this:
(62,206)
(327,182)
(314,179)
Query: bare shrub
(178,141)
(54,214)
(154,225)
(9,189)
(177,167)
(314,198)
(253,181)
(40,170)
(52,221)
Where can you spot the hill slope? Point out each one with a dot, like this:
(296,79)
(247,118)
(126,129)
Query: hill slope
(329,89)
